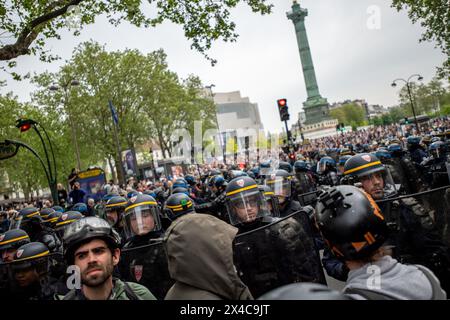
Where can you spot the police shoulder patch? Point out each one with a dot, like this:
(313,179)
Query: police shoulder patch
(19,253)
(366,157)
(133,199)
(64,216)
(2,236)
(240,182)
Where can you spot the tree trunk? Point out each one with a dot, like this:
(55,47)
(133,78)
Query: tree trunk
(113,171)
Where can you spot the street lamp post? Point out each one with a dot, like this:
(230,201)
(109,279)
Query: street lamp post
(408,82)
(65,87)
(217,122)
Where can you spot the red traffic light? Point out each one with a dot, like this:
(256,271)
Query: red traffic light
(281,102)
(25,127)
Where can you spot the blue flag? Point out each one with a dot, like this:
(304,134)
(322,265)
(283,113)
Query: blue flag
(113,112)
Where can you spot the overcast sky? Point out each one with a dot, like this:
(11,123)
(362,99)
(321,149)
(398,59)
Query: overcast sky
(352,61)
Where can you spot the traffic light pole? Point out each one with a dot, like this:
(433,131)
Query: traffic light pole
(288,133)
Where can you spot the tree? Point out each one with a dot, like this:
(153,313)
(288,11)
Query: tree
(31,23)
(434,16)
(150,100)
(24,170)
(350,114)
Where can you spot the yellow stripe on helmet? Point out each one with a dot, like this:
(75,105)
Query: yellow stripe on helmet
(116,204)
(140,204)
(13,240)
(242,189)
(33,257)
(368,165)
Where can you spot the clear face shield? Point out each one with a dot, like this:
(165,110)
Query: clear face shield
(380,184)
(247,207)
(141,220)
(113,215)
(321,167)
(281,187)
(272,204)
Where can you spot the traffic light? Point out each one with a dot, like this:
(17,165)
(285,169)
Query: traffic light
(283,109)
(24,124)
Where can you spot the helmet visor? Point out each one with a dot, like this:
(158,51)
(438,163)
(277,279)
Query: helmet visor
(88,224)
(141,220)
(281,186)
(113,215)
(246,207)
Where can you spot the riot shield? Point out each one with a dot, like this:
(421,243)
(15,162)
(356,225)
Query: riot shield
(436,204)
(147,265)
(280,253)
(306,190)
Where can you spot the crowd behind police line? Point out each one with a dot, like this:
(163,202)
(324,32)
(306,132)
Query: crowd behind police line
(341,177)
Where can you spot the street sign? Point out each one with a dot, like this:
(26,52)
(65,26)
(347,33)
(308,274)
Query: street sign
(8,150)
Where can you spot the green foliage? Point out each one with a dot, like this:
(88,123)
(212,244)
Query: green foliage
(434,17)
(32,23)
(349,114)
(150,100)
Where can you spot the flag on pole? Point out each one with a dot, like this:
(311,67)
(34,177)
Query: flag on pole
(113,113)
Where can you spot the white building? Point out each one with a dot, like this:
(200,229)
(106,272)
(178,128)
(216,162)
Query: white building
(237,114)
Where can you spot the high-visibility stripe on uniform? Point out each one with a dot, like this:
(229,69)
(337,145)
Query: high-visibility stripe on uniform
(140,204)
(33,257)
(13,240)
(368,165)
(269,193)
(242,189)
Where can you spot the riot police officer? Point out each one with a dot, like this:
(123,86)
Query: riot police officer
(326,169)
(177,205)
(280,183)
(65,219)
(10,241)
(355,230)
(304,184)
(142,221)
(414,236)
(246,206)
(30,274)
(415,149)
(114,209)
(271,199)
(31,222)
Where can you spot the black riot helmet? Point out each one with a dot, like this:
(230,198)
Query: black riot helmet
(28,219)
(52,219)
(45,212)
(303,291)
(283,165)
(280,183)
(271,199)
(13,239)
(244,202)
(86,229)
(141,216)
(350,222)
(364,166)
(177,205)
(114,209)
(31,255)
(66,219)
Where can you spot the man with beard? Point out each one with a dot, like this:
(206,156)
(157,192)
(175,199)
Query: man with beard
(92,245)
